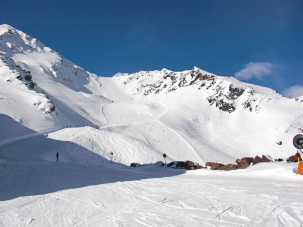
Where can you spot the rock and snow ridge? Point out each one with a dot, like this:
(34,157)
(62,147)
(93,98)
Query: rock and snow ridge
(194,113)
(222,91)
(49,76)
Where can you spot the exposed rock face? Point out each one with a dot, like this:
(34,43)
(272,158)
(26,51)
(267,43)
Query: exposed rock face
(189,165)
(235,92)
(180,165)
(135,164)
(257,160)
(213,165)
(19,75)
(265,159)
(291,159)
(228,167)
(225,100)
(28,77)
(219,92)
(245,162)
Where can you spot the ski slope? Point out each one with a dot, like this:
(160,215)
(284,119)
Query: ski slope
(86,189)
(38,191)
(177,113)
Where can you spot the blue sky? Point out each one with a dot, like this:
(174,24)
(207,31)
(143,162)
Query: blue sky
(259,41)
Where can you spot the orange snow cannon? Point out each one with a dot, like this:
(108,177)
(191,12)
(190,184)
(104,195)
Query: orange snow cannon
(300,168)
(300,164)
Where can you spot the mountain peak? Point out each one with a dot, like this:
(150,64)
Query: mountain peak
(4,28)
(7,29)
(15,41)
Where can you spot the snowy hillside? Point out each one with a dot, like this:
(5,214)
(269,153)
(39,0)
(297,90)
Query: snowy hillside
(57,87)
(220,117)
(193,114)
(49,105)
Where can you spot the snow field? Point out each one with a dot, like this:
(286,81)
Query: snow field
(131,113)
(101,143)
(222,137)
(69,194)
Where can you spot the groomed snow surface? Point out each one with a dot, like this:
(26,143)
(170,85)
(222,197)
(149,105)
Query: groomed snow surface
(86,189)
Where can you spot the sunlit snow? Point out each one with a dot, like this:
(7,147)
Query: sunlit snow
(49,105)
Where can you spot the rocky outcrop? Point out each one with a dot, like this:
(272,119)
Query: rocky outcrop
(238,161)
(265,159)
(135,164)
(213,165)
(180,165)
(189,165)
(245,162)
(257,160)
(242,163)
(221,93)
(235,92)
(225,100)
(23,77)
(228,167)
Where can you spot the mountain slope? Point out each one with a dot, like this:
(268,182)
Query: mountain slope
(193,114)
(74,91)
(220,117)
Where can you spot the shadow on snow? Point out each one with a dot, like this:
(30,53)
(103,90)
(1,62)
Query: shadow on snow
(28,166)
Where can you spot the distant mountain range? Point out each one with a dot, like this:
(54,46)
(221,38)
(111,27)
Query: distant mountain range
(192,114)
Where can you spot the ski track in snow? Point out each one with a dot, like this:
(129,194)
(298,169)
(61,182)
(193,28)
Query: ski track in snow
(190,199)
(46,193)
(25,136)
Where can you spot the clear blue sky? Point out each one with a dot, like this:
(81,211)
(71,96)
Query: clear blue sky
(263,38)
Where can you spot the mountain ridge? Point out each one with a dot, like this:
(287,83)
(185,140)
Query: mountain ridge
(192,114)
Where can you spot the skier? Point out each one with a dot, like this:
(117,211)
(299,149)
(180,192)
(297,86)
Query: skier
(57,155)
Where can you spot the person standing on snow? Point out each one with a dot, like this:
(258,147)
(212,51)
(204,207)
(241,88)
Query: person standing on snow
(57,155)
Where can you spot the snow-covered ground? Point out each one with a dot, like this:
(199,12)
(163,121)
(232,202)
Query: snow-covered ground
(190,115)
(38,191)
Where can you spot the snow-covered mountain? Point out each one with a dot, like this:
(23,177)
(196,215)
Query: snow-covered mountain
(192,115)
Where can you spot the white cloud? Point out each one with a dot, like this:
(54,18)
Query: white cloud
(293,92)
(255,69)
